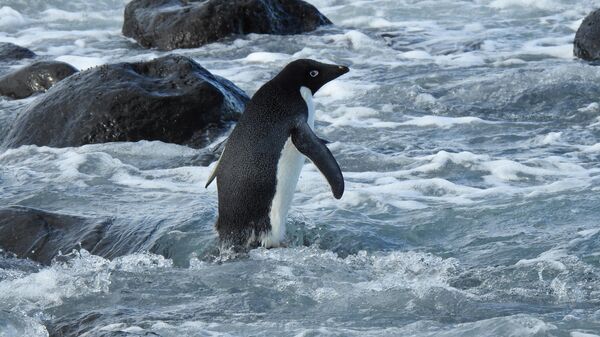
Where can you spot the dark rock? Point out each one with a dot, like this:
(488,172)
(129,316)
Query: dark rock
(40,236)
(171,24)
(587,38)
(171,99)
(34,78)
(12,52)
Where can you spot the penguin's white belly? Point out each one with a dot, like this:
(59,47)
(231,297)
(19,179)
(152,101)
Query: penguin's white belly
(288,172)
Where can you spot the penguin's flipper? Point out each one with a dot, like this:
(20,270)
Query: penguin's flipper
(324,141)
(213,174)
(219,148)
(312,146)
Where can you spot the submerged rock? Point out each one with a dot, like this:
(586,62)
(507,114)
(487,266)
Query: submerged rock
(171,24)
(40,235)
(34,78)
(12,52)
(170,99)
(587,38)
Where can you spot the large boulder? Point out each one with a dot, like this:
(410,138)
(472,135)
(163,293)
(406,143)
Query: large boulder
(34,78)
(587,38)
(171,24)
(171,99)
(12,52)
(40,235)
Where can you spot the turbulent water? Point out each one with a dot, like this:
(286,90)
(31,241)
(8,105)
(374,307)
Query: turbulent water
(469,137)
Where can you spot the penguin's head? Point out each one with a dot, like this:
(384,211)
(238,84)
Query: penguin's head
(309,73)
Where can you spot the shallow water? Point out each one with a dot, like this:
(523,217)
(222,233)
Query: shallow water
(469,138)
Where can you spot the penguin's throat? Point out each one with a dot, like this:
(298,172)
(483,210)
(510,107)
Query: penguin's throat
(307,96)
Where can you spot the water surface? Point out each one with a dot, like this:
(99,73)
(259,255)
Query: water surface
(469,137)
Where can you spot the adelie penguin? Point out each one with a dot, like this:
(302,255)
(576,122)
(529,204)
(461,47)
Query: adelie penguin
(262,158)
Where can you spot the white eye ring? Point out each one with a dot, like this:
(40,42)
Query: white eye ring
(314,73)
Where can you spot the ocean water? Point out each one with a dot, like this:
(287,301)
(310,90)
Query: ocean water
(469,137)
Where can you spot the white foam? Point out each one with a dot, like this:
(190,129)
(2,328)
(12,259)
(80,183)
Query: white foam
(442,158)
(590,148)
(509,170)
(547,139)
(181,179)
(510,62)
(583,334)
(474,27)
(592,107)
(550,258)
(539,4)
(84,165)
(368,21)
(265,57)
(425,99)
(16,324)
(400,270)
(595,124)
(27,160)
(407,204)
(195,328)
(358,117)
(556,47)
(470,59)
(442,121)
(39,36)
(82,62)
(83,275)
(574,26)
(355,40)
(517,325)
(140,262)
(10,17)
(407,193)
(417,55)
(344,89)
(505,177)
(370,272)
(53,14)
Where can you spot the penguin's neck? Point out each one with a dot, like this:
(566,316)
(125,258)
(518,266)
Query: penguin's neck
(307,95)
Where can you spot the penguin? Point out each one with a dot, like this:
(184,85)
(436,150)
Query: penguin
(262,158)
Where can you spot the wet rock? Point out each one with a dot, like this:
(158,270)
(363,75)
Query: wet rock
(12,52)
(171,24)
(34,78)
(170,99)
(587,38)
(40,235)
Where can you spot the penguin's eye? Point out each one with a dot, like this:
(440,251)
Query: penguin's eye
(314,73)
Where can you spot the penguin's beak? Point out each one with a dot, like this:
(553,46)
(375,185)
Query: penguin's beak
(336,71)
(343,69)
